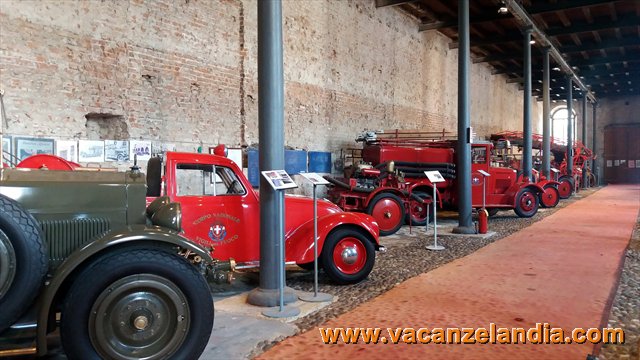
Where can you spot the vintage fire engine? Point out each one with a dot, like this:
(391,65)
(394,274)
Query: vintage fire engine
(220,211)
(566,182)
(390,185)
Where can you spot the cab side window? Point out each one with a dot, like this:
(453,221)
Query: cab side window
(479,155)
(207,180)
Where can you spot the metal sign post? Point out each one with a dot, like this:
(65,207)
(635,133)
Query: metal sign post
(279,181)
(485,175)
(555,173)
(315,180)
(435,177)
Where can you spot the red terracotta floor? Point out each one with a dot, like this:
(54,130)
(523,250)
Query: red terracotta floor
(560,270)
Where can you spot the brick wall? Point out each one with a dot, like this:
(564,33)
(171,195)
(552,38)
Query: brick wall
(185,72)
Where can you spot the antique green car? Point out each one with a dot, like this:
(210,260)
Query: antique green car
(80,251)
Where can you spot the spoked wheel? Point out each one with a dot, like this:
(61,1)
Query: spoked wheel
(146,304)
(388,211)
(347,256)
(550,197)
(591,178)
(526,203)
(565,188)
(418,210)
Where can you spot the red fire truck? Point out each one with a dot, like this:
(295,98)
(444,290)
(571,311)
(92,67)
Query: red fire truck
(390,185)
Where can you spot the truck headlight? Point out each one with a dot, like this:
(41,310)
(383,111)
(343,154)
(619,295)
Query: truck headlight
(169,216)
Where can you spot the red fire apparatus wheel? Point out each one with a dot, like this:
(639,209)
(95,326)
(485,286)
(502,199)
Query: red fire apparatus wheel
(419,210)
(388,211)
(566,187)
(550,197)
(526,203)
(347,256)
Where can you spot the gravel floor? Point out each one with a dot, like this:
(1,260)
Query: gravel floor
(625,312)
(407,257)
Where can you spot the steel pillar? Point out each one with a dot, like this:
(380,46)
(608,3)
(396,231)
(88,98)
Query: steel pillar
(569,126)
(594,168)
(463,167)
(271,138)
(584,138)
(526,124)
(546,118)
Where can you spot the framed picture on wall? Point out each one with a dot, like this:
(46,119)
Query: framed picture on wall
(91,150)
(141,149)
(6,144)
(116,150)
(26,146)
(67,149)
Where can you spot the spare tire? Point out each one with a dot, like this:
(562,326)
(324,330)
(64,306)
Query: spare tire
(154,177)
(23,260)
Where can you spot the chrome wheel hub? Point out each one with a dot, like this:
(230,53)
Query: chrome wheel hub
(349,255)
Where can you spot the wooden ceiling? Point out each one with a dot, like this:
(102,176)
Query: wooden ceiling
(599,40)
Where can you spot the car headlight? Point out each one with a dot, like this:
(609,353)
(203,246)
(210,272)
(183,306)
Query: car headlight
(169,216)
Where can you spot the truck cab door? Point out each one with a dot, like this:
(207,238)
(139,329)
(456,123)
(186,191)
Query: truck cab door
(218,210)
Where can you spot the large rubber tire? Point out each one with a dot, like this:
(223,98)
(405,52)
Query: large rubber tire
(566,186)
(418,211)
(146,303)
(492,211)
(347,256)
(526,203)
(388,210)
(154,177)
(23,260)
(550,197)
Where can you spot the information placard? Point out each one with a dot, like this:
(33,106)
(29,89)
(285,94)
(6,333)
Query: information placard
(434,176)
(315,178)
(484,173)
(279,179)
(555,170)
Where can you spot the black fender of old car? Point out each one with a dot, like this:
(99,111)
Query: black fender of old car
(136,235)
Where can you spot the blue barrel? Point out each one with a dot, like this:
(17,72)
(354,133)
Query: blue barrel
(319,162)
(253,167)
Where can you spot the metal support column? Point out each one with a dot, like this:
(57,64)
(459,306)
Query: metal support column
(546,118)
(463,167)
(594,167)
(584,138)
(526,124)
(271,138)
(569,126)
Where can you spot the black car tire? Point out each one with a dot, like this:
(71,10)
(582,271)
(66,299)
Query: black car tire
(137,285)
(26,255)
(338,271)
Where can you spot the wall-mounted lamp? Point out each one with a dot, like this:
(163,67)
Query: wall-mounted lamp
(503,8)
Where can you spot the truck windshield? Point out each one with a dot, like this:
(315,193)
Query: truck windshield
(207,180)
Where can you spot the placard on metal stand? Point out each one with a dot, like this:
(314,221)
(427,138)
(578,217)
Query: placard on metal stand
(485,175)
(434,177)
(315,180)
(280,181)
(555,172)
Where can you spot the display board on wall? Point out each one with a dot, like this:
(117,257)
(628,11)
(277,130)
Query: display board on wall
(116,150)
(67,149)
(6,144)
(25,146)
(140,148)
(91,151)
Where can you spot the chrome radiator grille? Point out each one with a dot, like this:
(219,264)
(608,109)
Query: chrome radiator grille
(65,236)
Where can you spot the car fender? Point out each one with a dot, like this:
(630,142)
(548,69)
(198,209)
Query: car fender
(133,235)
(379,190)
(299,242)
(429,191)
(543,183)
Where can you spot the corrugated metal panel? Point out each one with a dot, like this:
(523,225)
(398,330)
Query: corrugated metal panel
(65,236)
